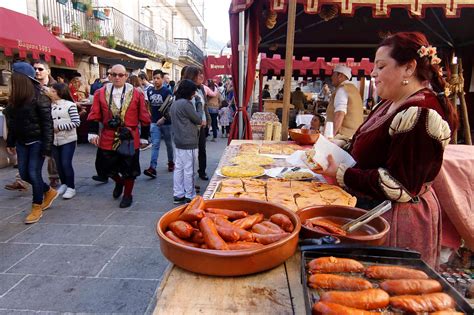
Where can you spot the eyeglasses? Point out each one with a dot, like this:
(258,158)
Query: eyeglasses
(39,69)
(120,75)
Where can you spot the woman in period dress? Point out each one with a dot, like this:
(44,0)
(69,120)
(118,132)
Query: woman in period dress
(409,130)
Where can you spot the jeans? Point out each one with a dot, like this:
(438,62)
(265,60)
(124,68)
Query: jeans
(215,128)
(30,164)
(63,156)
(156,133)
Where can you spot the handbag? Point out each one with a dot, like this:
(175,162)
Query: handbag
(124,142)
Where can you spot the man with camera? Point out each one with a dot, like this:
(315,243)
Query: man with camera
(121,109)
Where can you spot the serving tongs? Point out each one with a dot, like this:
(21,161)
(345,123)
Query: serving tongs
(376,212)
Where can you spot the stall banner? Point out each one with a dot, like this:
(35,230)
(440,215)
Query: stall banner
(214,66)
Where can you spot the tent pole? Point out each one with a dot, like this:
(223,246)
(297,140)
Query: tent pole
(465,117)
(290,41)
(241,70)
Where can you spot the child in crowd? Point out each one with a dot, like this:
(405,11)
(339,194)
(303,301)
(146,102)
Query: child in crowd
(224,118)
(66,120)
(185,134)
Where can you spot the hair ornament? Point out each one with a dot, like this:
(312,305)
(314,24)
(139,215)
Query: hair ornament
(430,52)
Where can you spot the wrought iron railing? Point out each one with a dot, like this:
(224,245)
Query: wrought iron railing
(188,49)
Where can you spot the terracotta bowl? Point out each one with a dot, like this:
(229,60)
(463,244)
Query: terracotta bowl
(375,231)
(235,262)
(304,136)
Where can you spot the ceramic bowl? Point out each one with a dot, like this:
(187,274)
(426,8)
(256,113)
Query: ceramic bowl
(375,232)
(230,262)
(304,136)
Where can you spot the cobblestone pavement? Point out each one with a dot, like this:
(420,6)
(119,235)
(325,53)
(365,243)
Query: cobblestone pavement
(86,254)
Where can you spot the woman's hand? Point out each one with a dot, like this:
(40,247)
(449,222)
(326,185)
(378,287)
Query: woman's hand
(11,151)
(331,170)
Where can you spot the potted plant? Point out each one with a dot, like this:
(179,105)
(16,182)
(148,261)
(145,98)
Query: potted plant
(107,12)
(46,22)
(75,29)
(111,41)
(89,9)
(56,30)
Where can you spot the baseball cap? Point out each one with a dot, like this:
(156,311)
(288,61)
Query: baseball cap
(25,69)
(344,70)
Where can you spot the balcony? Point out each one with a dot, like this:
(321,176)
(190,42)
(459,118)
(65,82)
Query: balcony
(191,11)
(189,50)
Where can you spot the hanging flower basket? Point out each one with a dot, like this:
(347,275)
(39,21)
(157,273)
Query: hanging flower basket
(107,12)
(99,15)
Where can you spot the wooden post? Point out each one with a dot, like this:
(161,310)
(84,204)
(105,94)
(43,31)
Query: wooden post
(465,117)
(454,74)
(290,40)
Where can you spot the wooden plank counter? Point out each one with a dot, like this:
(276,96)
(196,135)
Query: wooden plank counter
(276,291)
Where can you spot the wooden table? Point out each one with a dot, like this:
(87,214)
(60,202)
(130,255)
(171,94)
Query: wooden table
(272,105)
(276,291)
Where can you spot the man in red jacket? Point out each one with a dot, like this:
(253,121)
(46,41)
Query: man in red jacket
(121,109)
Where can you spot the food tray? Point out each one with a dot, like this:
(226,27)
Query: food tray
(369,255)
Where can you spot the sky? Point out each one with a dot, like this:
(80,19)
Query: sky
(217,19)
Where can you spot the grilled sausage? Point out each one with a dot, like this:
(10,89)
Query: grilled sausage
(248,222)
(447,313)
(328,225)
(410,286)
(325,308)
(193,211)
(243,234)
(231,214)
(365,300)
(266,239)
(333,264)
(214,215)
(262,229)
(228,235)
(196,237)
(431,302)
(181,228)
(211,237)
(335,282)
(175,238)
(283,221)
(394,272)
(244,245)
(276,228)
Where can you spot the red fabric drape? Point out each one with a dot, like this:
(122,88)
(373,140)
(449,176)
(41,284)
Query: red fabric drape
(216,66)
(252,18)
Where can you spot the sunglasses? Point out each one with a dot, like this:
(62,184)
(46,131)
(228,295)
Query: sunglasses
(120,75)
(39,69)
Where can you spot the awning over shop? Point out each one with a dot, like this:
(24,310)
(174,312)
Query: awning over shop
(216,66)
(86,47)
(23,34)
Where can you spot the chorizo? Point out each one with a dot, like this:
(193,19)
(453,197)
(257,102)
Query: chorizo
(262,229)
(326,308)
(394,272)
(175,238)
(328,225)
(214,215)
(228,235)
(266,239)
(243,234)
(231,214)
(249,221)
(365,300)
(333,264)
(196,237)
(243,245)
(211,237)
(447,313)
(431,302)
(193,211)
(336,282)
(411,286)
(181,228)
(283,221)
(276,228)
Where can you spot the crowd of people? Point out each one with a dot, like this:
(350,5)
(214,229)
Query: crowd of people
(128,114)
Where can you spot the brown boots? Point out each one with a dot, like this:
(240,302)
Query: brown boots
(37,210)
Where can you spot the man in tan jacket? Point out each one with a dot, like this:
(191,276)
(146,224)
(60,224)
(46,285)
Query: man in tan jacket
(345,108)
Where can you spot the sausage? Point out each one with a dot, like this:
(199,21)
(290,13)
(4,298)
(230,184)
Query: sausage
(410,286)
(328,225)
(447,313)
(243,245)
(326,308)
(276,228)
(394,272)
(283,221)
(248,222)
(175,238)
(366,299)
(181,228)
(335,282)
(333,264)
(211,237)
(231,214)
(262,229)
(243,234)
(228,235)
(266,239)
(214,215)
(192,212)
(431,302)
(196,237)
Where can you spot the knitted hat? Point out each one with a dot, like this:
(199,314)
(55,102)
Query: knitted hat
(25,69)
(344,70)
